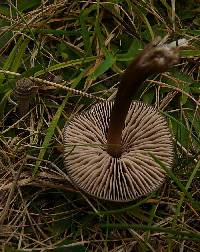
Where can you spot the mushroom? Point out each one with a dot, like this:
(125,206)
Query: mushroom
(107,148)
(22,94)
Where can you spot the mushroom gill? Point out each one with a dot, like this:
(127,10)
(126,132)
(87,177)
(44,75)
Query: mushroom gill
(132,175)
(107,148)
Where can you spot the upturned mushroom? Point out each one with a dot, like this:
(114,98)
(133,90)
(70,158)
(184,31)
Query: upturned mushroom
(108,147)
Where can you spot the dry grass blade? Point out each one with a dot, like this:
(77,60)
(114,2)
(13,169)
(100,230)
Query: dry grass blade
(40,82)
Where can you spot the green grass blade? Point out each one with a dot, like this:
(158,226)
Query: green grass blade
(19,55)
(146,21)
(70,63)
(177,181)
(13,61)
(192,176)
(125,209)
(180,124)
(49,134)
(190,53)
(103,67)
(176,234)
(57,32)
(84,31)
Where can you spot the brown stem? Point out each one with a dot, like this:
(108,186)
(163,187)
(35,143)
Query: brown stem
(152,60)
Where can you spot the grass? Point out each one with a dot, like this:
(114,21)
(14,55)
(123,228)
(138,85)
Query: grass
(84,46)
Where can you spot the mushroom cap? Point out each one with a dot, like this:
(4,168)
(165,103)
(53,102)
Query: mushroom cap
(23,87)
(130,176)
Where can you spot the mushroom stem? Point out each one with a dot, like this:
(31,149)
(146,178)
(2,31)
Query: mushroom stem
(152,60)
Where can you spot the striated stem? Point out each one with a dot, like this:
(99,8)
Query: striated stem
(152,60)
